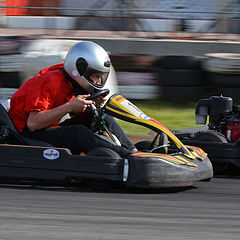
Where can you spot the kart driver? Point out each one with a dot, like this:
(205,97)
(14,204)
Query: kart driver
(38,106)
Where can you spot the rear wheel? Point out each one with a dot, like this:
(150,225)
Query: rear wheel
(103,152)
(101,184)
(213,136)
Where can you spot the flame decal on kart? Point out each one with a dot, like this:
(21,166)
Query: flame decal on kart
(197,152)
(195,149)
(173,159)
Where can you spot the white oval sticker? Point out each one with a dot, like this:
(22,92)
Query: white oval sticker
(51,154)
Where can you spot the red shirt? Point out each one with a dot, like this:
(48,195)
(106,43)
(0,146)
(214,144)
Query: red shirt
(45,91)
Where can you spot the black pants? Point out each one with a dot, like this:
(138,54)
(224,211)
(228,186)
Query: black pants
(79,138)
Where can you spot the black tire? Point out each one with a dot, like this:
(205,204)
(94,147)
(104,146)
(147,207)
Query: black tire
(101,184)
(180,78)
(103,152)
(224,80)
(212,136)
(229,92)
(181,62)
(133,62)
(182,93)
(10,80)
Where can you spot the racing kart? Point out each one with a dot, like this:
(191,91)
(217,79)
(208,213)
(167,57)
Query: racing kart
(158,164)
(220,138)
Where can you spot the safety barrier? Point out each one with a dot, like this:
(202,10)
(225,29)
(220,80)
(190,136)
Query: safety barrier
(139,76)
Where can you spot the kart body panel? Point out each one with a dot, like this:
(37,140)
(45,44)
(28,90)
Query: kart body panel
(32,162)
(143,170)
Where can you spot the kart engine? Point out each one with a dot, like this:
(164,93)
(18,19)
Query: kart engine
(223,116)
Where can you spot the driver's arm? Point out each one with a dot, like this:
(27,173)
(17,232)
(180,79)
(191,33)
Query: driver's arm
(42,119)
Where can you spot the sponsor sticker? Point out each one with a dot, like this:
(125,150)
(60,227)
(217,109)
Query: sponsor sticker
(144,116)
(134,110)
(51,154)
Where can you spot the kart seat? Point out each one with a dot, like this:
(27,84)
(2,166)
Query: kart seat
(5,120)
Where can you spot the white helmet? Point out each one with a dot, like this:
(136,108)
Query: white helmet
(85,59)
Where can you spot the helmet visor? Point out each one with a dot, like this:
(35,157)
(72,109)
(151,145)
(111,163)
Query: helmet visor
(96,78)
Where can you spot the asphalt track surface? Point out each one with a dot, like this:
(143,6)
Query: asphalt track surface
(209,210)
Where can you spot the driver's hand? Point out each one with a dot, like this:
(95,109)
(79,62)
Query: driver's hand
(100,101)
(79,104)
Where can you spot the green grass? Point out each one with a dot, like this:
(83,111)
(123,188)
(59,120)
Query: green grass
(172,115)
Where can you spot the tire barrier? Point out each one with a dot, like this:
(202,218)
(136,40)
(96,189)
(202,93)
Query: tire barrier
(12,44)
(133,62)
(135,75)
(11,63)
(138,85)
(180,62)
(181,78)
(183,93)
(223,74)
(225,63)
(10,68)
(232,92)
(224,80)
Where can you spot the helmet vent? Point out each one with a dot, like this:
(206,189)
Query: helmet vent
(81,65)
(107,63)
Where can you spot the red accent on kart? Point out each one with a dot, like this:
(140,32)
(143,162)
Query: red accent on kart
(157,122)
(232,131)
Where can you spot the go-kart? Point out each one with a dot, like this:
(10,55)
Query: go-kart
(220,138)
(158,164)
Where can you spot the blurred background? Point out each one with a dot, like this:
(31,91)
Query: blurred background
(177,50)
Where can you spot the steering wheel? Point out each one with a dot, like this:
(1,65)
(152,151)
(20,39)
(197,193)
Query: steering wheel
(96,113)
(103,92)
(97,120)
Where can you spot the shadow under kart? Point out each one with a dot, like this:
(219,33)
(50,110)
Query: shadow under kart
(220,138)
(158,165)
